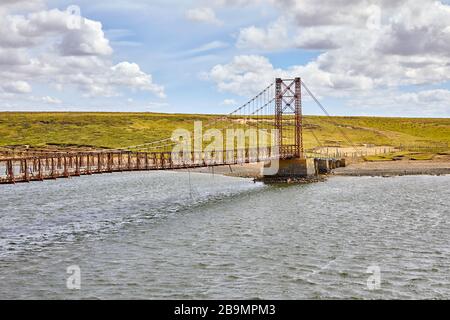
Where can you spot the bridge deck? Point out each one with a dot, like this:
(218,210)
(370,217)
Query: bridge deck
(39,167)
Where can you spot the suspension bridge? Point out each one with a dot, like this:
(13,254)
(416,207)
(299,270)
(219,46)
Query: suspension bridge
(274,115)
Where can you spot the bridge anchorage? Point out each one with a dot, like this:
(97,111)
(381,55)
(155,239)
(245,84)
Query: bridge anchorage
(267,129)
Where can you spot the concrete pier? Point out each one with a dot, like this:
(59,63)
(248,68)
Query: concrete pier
(301,169)
(293,168)
(323,166)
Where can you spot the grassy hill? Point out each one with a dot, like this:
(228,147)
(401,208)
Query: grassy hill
(114,130)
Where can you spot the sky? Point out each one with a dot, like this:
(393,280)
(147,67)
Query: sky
(360,57)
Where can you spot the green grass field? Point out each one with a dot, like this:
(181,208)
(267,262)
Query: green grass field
(115,130)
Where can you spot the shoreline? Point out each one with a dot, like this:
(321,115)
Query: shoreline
(356,169)
(395,168)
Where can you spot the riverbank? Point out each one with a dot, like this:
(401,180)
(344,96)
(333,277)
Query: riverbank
(395,168)
(440,166)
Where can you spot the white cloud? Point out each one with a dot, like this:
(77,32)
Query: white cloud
(411,45)
(206,15)
(51,100)
(19,87)
(13,57)
(419,29)
(38,27)
(229,102)
(16,5)
(88,40)
(245,75)
(274,38)
(213,45)
(237,3)
(367,46)
(248,75)
(130,75)
(45,99)
(317,38)
(120,38)
(421,103)
(43,47)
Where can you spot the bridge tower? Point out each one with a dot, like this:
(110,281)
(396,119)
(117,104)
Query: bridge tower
(288,116)
(293,163)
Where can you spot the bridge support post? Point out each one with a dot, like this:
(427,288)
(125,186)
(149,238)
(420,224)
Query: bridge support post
(53,169)
(88,164)
(40,173)
(138,161)
(99,162)
(27,171)
(77,165)
(129,161)
(10,172)
(146,161)
(66,169)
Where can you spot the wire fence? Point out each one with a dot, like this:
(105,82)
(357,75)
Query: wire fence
(370,150)
(438,147)
(349,152)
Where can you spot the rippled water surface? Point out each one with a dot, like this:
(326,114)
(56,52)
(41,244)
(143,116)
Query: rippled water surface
(149,235)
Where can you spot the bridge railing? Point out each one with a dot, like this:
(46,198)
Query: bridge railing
(44,166)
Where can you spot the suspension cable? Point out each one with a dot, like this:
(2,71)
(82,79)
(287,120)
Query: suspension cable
(326,113)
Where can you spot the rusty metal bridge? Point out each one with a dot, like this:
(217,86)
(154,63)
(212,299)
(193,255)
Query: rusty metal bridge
(277,108)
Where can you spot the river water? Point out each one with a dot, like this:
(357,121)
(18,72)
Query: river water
(158,235)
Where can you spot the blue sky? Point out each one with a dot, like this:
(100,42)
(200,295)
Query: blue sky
(361,57)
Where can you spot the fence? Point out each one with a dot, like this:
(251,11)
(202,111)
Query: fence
(349,152)
(438,147)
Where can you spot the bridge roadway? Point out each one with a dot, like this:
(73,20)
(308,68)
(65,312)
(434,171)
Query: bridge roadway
(46,166)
